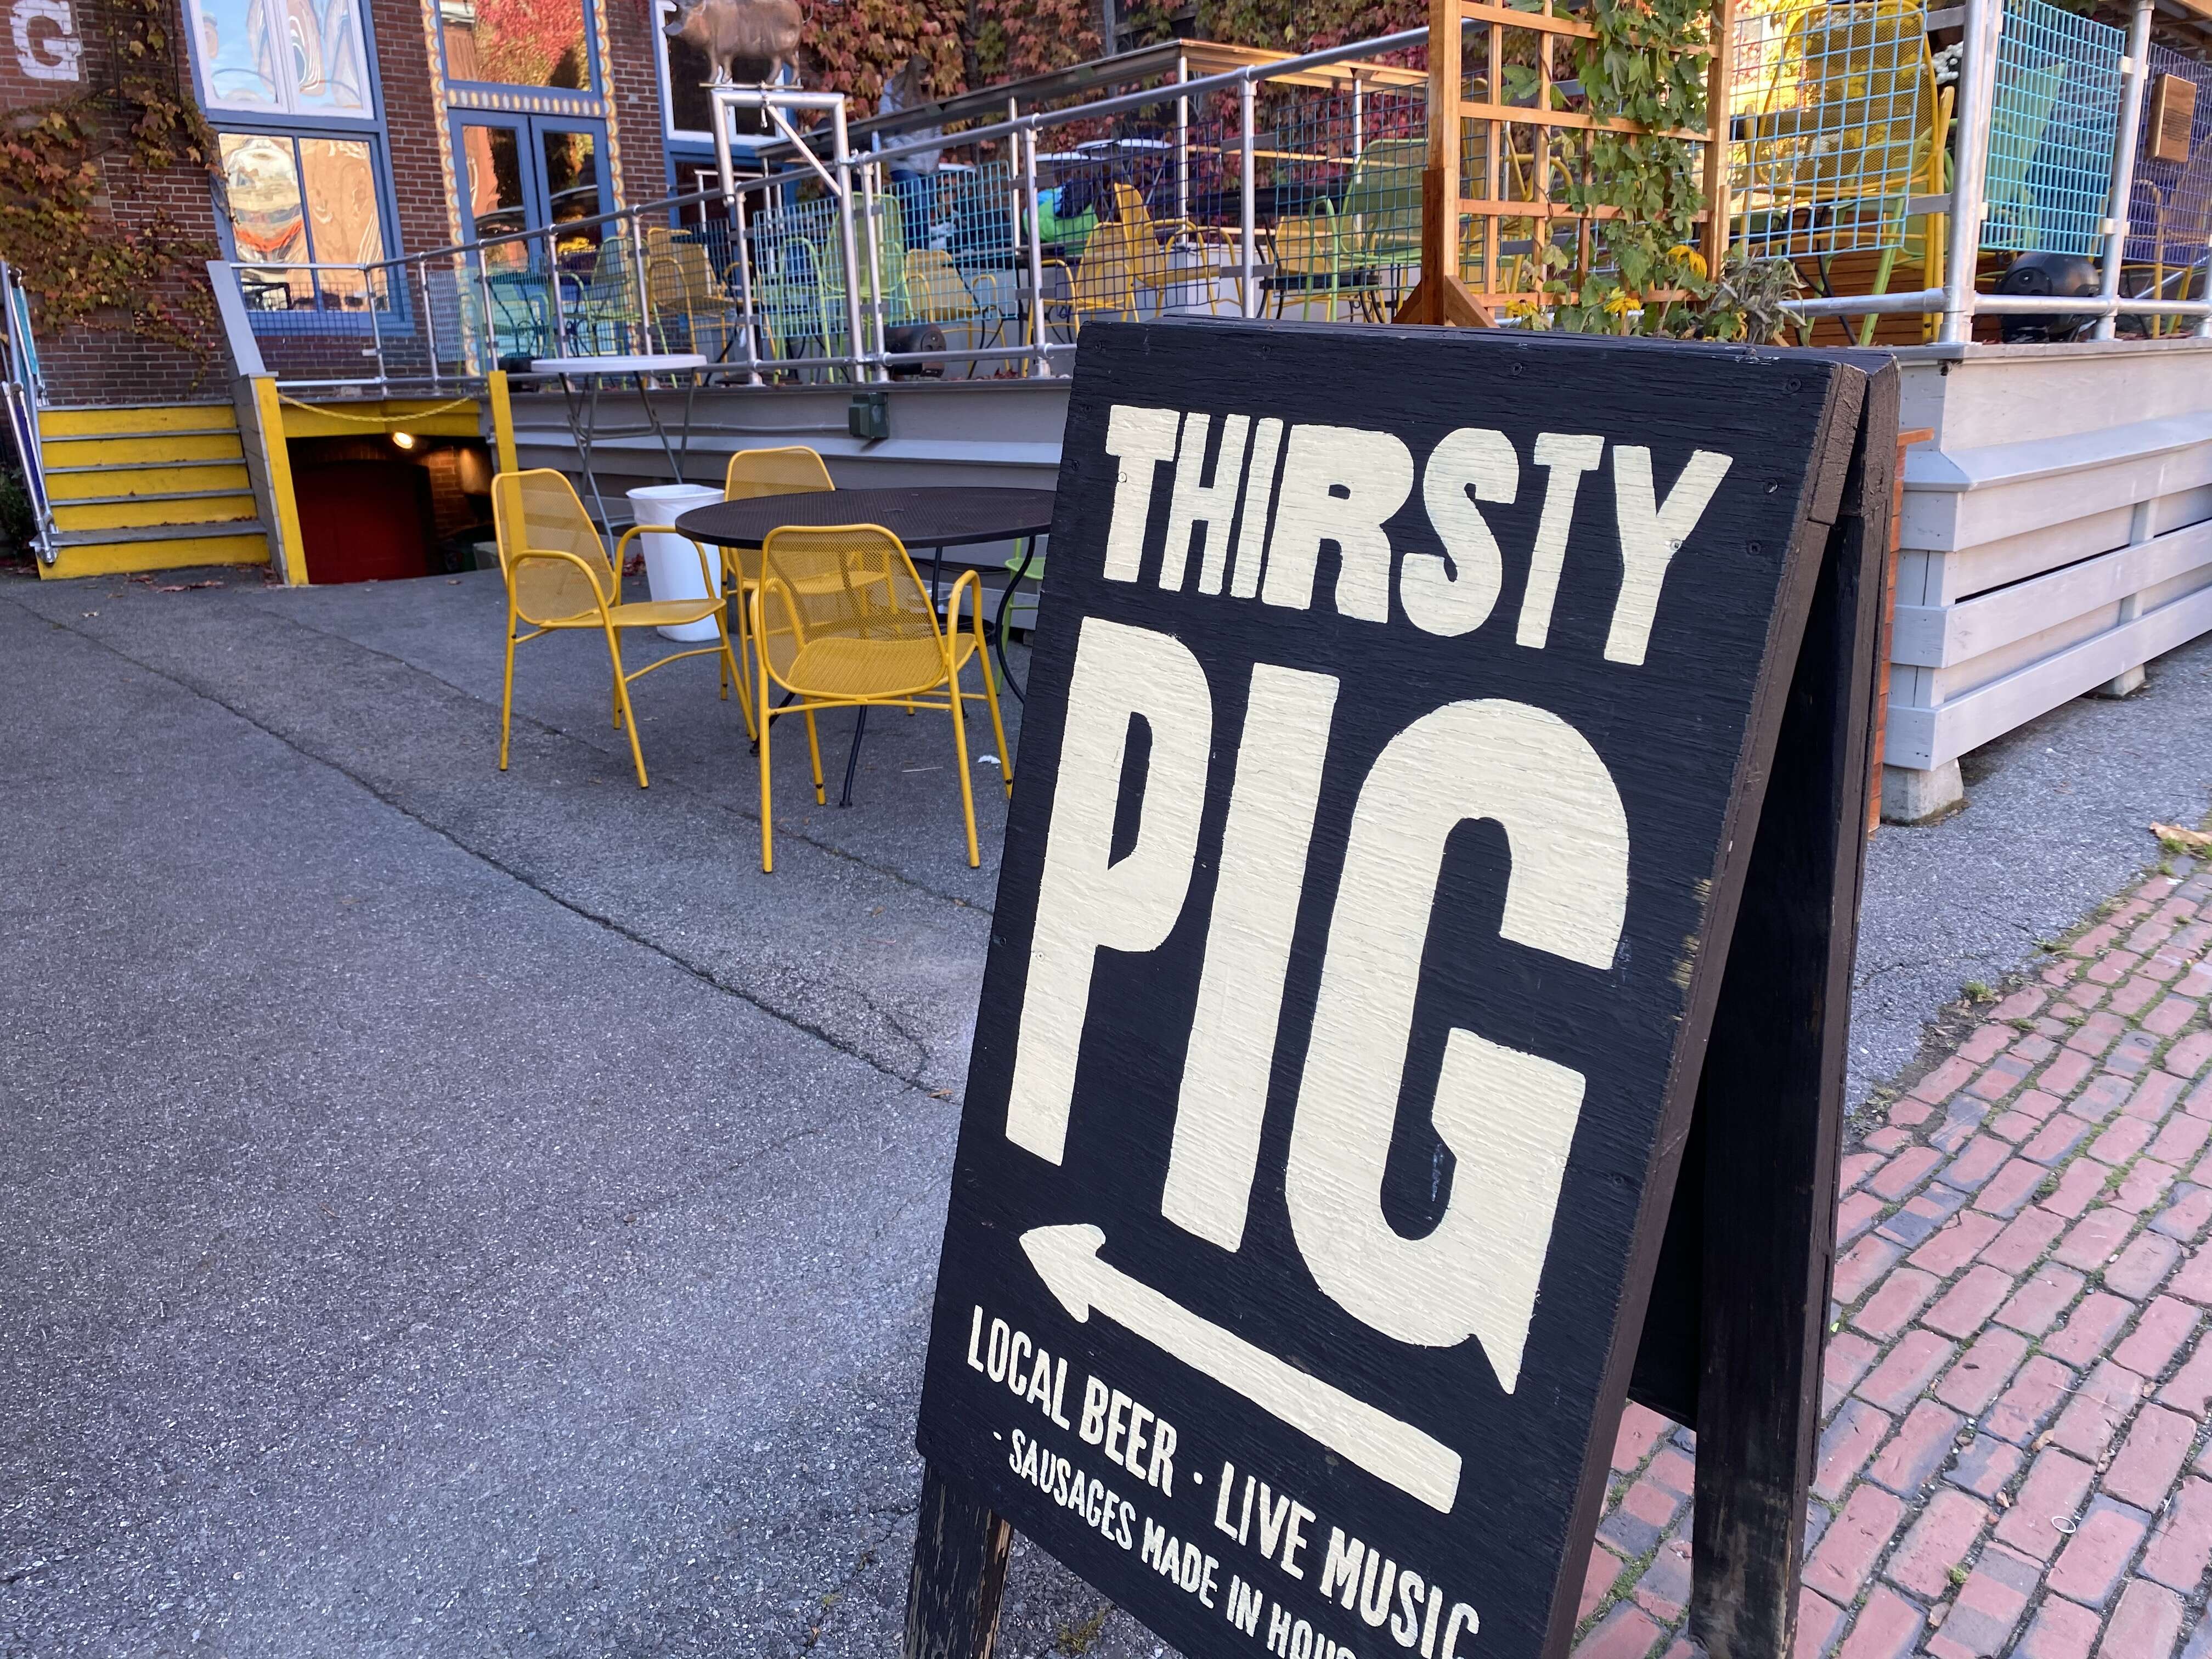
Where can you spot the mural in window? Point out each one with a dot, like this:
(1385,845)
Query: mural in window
(297,202)
(517,43)
(302,57)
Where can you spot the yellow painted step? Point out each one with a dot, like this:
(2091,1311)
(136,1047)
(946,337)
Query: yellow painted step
(133,452)
(183,417)
(113,558)
(146,480)
(123,515)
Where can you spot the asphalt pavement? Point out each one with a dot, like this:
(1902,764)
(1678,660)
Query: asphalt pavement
(456,1212)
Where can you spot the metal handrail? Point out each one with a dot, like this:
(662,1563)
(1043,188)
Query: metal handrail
(854,180)
(23,394)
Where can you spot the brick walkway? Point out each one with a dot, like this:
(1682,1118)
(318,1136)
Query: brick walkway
(2012,1457)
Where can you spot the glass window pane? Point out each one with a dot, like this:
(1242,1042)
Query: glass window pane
(238,54)
(689,109)
(262,184)
(572,186)
(517,43)
(344,227)
(324,39)
(493,157)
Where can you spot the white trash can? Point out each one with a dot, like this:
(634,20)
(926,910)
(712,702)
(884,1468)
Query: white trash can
(671,562)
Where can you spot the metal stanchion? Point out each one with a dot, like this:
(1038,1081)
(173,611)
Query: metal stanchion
(2124,160)
(1978,71)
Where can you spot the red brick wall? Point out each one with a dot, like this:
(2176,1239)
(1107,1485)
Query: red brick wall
(110,365)
(420,178)
(634,84)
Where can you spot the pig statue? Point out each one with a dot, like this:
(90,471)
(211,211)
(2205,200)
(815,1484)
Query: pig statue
(756,31)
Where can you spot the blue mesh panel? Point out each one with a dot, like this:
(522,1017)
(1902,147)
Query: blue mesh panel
(2053,132)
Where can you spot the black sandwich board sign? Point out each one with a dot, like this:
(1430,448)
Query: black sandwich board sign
(1419,719)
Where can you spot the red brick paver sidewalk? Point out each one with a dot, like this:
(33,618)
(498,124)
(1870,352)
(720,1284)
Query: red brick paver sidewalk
(2013,1454)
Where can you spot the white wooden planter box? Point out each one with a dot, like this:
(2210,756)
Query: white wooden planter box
(2057,535)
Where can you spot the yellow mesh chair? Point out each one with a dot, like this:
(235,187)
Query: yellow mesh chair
(558,576)
(842,621)
(787,470)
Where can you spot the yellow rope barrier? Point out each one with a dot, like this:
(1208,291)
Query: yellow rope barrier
(379,420)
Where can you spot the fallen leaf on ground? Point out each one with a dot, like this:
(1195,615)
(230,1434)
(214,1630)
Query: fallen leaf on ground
(2174,835)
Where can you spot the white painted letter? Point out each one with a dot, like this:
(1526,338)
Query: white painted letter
(1456,598)
(58,56)
(1084,901)
(1248,952)
(1568,458)
(1651,536)
(1507,1117)
(1252,528)
(1375,471)
(1140,439)
(1195,502)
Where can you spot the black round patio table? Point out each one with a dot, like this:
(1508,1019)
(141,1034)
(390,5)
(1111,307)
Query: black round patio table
(937,517)
(934,516)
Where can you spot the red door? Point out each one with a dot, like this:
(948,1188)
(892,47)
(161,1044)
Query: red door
(363,522)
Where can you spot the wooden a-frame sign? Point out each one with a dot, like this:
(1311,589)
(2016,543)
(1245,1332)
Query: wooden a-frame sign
(1414,1014)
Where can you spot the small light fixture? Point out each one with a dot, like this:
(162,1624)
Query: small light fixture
(404,439)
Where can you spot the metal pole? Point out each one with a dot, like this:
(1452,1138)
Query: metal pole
(855,355)
(869,198)
(644,288)
(490,328)
(1182,140)
(560,310)
(1247,217)
(2124,160)
(375,333)
(1978,73)
(1359,114)
(743,242)
(429,325)
(1044,364)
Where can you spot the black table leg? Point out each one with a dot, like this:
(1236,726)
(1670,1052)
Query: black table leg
(1006,604)
(852,757)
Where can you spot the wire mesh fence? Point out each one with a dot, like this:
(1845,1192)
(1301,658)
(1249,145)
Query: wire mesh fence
(2053,131)
(1837,126)
(1299,194)
(2170,207)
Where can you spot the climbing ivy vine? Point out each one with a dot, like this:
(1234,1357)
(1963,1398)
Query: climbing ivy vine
(80,264)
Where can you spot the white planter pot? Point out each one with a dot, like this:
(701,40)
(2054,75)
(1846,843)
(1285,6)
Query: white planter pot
(671,562)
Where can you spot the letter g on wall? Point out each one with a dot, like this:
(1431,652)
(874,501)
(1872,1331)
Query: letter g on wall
(53,54)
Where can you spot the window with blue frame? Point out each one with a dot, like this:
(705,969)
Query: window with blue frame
(291,86)
(307,58)
(299,201)
(540,44)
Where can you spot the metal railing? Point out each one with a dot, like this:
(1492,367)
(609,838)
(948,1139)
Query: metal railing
(21,395)
(1291,186)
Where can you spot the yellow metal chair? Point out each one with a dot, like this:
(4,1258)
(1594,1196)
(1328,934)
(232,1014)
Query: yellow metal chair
(787,470)
(842,621)
(558,576)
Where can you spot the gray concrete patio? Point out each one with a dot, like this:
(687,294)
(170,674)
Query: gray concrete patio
(465,1213)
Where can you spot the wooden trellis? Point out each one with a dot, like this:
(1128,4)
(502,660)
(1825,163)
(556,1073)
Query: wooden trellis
(1516,186)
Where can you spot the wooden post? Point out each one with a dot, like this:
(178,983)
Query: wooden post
(1770,1102)
(1919,434)
(959,1573)
(1719,81)
(1441,296)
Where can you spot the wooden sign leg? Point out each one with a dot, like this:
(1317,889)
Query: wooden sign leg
(959,1574)
(1770,1099)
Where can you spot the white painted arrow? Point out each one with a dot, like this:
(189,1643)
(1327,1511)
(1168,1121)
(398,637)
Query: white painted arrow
(1067,1259)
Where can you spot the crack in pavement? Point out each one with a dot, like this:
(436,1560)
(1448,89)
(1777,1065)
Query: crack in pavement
(704,976)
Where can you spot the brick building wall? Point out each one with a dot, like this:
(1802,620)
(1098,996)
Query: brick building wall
(422,175)
(633,82)
(110,365)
